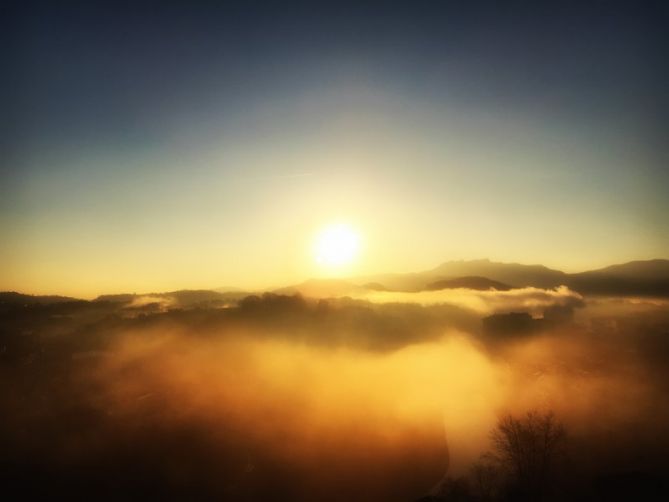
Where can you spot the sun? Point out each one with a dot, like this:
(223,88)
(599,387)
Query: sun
(336,245)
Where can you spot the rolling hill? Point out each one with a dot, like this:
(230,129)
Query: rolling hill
(645,278)
(468,282)
(635,278)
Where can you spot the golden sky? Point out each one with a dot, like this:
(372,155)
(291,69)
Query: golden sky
(212,154)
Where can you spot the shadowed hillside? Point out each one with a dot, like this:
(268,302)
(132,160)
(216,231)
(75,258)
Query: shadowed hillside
(471,282)
(648,278)
(644,278)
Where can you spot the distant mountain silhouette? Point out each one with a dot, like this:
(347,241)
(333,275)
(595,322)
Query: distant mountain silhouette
(184,298)
(11,301)
(228,289)
(639,269)
(513,274)
(375,286)
(14,298)
(468,282)
(510,274)
(641,278)
(322,288)
(647,278)
(117,298)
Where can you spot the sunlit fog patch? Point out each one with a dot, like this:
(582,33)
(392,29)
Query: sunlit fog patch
(269,390)
(404,384)
(286,395)
(532,300)
(159,303)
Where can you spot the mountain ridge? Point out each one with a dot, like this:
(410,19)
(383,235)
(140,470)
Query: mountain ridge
(642,277)
(468,282)
(637,277)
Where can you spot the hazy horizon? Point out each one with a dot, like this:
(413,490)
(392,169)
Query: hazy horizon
(338,275)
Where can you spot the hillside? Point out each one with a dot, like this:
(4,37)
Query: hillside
(644,278)
(647,278)
(509,274)
(468,282)
(14,298)
(322,288)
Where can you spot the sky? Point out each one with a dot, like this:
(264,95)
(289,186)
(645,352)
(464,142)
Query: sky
(152,146)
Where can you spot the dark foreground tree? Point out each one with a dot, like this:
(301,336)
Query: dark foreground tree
(528,448)
(485,476)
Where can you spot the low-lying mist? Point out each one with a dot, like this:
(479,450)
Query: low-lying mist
(533,300)
(281,398)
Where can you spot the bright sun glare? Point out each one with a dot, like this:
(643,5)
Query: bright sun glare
(336,245)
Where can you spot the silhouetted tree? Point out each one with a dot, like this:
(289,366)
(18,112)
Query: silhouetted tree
(528,448)
(485,478)
(454,490)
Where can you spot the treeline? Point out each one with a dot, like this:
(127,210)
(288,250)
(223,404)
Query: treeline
(531,460)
